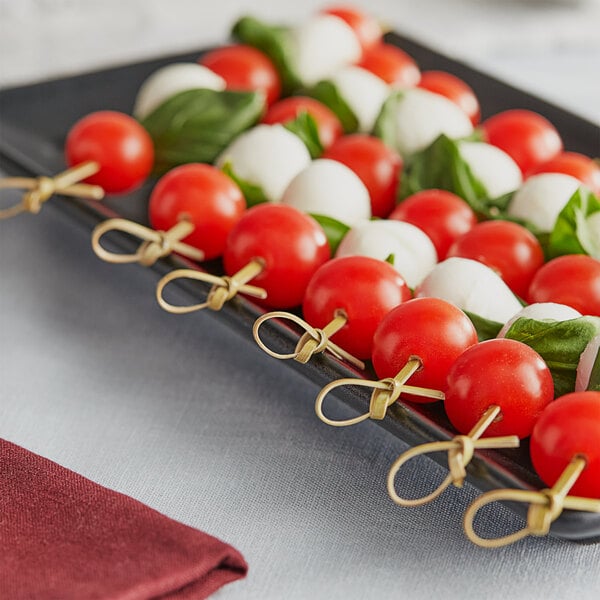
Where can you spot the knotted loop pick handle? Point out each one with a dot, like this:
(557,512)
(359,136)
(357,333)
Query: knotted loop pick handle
(460,452)
(545,506)
(385,393)
(39,189)
(154,244)
(223,288)
(313,341)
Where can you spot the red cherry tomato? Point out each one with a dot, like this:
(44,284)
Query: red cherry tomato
(499,372)
(377,166)
(527,137)
(366,289)
(432,329)
(291,245)
(205,196)
(442,215)
(116,141)
(453,88)
(573,280)
(568,427)
(577,165)
(392,65)
(507,248)
(244,68)
(288,109)
(366,28)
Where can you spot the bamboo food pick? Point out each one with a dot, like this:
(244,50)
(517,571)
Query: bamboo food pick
(40,189)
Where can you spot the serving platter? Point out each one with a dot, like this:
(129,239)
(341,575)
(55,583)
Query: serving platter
(34,120)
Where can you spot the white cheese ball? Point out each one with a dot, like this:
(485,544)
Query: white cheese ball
(422,116)
(541,198)
(413,252)
(327,187)
(471,286)
(321,46)
(586,364)
(495,169)
(268,156)
(542,311)
(171,80)
(363,92)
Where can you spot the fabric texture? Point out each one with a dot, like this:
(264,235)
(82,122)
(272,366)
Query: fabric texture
(63,536)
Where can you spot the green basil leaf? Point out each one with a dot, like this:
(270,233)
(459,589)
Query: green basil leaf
(572,233)
(274,41)
(486,329)
(305,127)
(560,344)
(385,124)
(328,94)
(253,193)
(197,125)
(594,383)
(334,230)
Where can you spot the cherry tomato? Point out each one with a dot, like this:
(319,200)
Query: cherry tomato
(365,27)
(291,245)
(377,166)
(205,196)
(392,65)
(527,137)
(500,372)
(573,280)
(507,248)
(116,141)
(453,88)
(432,329)
(442,215)
(577,165)
(568,427)
(244,68)
(366,289)
(288,109)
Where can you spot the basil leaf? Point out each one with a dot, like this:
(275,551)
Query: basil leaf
(572,234)
(486,329)
(385,124)
(560,344)
(594,383)
(197,125)
(334,230)
(253,193)
(328,94)
(305,127)
(275,42)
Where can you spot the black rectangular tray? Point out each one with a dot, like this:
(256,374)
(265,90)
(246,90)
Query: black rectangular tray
(34,120)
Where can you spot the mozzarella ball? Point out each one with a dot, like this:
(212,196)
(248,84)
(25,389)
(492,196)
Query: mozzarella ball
(586,364)
(414,255)
(268,156)
(327,187)
(495,169)
(471,286)
(541,198)
(171,80)
(542,311)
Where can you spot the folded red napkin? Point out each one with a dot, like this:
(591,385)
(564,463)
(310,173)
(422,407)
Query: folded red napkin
(64,537)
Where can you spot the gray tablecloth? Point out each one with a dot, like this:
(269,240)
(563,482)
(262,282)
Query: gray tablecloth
(192,419)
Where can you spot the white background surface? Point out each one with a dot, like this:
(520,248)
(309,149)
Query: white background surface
(182,414)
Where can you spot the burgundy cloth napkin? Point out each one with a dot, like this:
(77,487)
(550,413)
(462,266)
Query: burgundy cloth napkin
(64,537)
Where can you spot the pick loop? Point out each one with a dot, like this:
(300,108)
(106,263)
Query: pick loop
(460,452)
(385,393)
(155,244)
(39,189)
(545,506)
(313,341)
(223,288)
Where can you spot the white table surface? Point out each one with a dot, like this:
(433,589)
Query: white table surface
(186,416)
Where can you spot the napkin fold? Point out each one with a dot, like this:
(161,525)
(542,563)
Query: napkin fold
(65,537)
